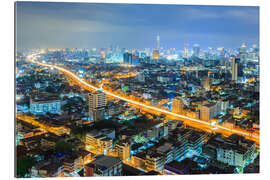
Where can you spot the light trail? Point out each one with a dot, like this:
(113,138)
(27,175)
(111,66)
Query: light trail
(32,59)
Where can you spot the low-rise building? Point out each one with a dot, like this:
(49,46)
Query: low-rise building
(73,162)
(104,166)
(122,149)
(154,161)
(234,151)
(47,169)
(42,104)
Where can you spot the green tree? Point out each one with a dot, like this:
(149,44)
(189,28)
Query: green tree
(62,146)
(24,164)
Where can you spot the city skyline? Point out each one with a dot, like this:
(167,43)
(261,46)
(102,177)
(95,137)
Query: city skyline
(88,25)
(136,89)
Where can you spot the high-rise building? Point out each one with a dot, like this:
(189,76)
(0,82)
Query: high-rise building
(177,105)
(234,70)
(156,51)
(135,60)
(237,69)
(196,50)
(209,111)
(97,102)
(221,51)
(156,54)
(243,52)
(243,48)
(158,42)
(185,55)
(127,58)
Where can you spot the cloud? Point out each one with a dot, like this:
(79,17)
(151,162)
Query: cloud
(82,24)
(199,13)
(250,14)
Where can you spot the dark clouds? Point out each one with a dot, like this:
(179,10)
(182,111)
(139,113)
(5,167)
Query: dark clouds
(42,24)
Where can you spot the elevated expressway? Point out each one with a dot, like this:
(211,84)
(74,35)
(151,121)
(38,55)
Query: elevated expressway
(196,123)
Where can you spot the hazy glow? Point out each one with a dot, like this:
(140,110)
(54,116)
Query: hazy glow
(89,25)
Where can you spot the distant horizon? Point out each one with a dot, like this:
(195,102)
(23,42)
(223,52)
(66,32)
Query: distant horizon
(100,25)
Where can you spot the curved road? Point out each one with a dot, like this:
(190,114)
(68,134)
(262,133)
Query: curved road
(240,132)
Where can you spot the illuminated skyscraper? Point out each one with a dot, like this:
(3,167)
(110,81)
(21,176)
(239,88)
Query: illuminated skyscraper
(156,54)
(156,51)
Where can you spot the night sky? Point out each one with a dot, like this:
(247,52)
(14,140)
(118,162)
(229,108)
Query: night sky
(88,25)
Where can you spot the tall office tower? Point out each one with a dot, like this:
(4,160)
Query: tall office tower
(222,55)
(156,51)
(177,105)
(237,69)
(185,51)
(234,70)
(221,51)
(243,52)
(127,58)
(158,42)
(206,83)
(97,102)
(196,50)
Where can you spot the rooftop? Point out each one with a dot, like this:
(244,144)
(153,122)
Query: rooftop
(105,162)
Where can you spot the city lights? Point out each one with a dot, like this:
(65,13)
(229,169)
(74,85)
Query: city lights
(156,100)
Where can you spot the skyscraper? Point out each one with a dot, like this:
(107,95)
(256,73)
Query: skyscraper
(243,52)
(243,48)
(156,51)
(196,50)
(127,58)
(158,42)
(156,54)
(236,69)
(185,55)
